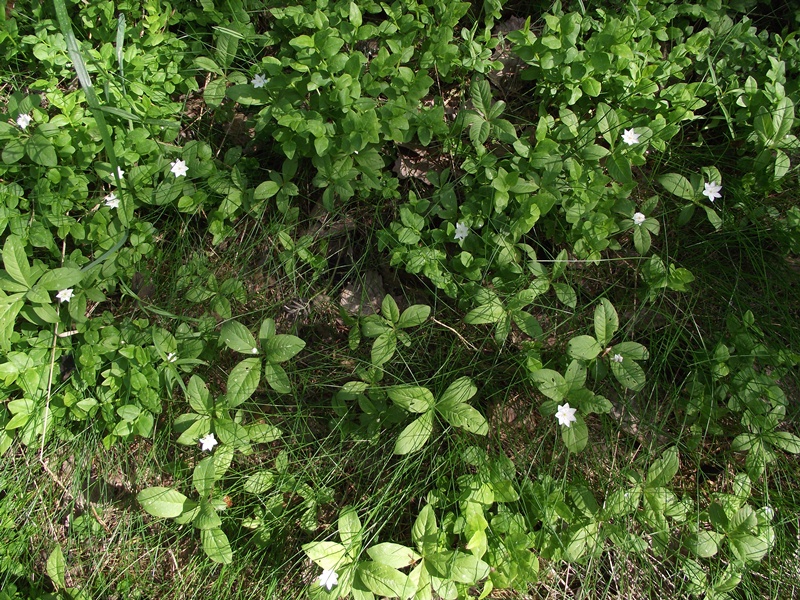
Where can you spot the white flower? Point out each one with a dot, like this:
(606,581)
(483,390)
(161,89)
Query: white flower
(111,200)
(259,81)
(328,579)
(24,120)
(172,357)
(712,190)
(638,218)
(617,358)
(120,172)
(65,295)
(566,415)
(179,168)
(630,137)
(254,350)
(462,231)
(208,442)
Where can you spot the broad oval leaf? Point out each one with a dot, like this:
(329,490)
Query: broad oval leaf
(632,350)
(282,347)
(383,580)
(231,433)
(678,185)
(583,347)
(461,390)
(263,433)
(393,555)
(328,555)
(389,309)
(199,398)
(238,338)
(606,322)
(383,348)
(350,530)
(411,398)
(204,476)
(162,501)
(550,383)
(260,482)
(663,469)
(425,532)
(462,415)
(576,436)
(243,381)
(277,377)
(216,546)
(415,435)
(60,279)
(486,313)
(206,517)
(628,373)
(414,315)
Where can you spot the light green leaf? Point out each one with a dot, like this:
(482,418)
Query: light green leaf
(678,185)
(413,316)
(606,322)
(199,398)
(383,580)
(566,294)
(231,433)
(628,373)
(467,568)
(748,547)
(56,568)
(393,555)
(583,347)
(784,440)
(15,260)
(280,348)
(263,433)
(277,378)
(60,279)
(41,151)
(162,501)
(425,532)
(216,546)
(328,555)
(238,338)
(204,476)
(260,482)
(463,416)
(663,469)
(631,350)
(389,309)
(243,381)
(550,383)
(705,543)
(486,313)
(415,435)
(206,517)
(619,167)
(383,348)
(411,398)
(214,92)
(461,390)
(576,435)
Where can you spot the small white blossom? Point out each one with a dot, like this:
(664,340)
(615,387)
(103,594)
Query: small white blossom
(630,137)
(259,81)
(208,442)
(179,168)
(462,231)
(172,357)
(566,415)
(254,350)
(120,172)
(111,200)
(65,295)
(328,579)
(24,120)
(638,218)
(617,358)
(712,190)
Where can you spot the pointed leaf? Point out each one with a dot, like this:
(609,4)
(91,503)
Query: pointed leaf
(550,383)
(606,322)
(389,309)
(15,260)
(383,348)
(281,348)
(260,482)
(383,580)
(411,398)
(678,185)
(277,378)
(663,469)
(199,398)
(628,373)
(243,381)
(204,476)
(414,315)
(464,416)
(56,568)
(576,436)
(216,546)
(206,517)
(328,555)
(393,555)
(415,435)
(583,347)
(238,338)
(162,501)
(486,313)
(425,532)
(461,390)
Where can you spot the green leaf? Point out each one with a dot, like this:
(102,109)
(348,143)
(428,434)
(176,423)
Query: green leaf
(277,378)
(15,260)
(162,501)
(266,189)
(550,383)
(231,433)
(216,546)
(383,580)
(486,313)
(383,348)
(481,96)
(467,568)
(214,92)
(280,348)
(13,151)
(628,373)
(350,530)
(663,469)
(263,433)
(749,547)
(389,309)
(206,64)
(41,151)
(463,416)
(619,167)
(243,381)
(411,398)
(413,316)
(199,398)
(204,476)
(60,279)
(393,555)
(565,294)
(606,322)
(461,390)
(260,482)
(632,350)
(206,517)
(583,347)
(705,543)
(576,435)
(415,435)
(57,568)
(678,185)
(238,338)
(527,323)
(328,555)
(425,532)
(784,440)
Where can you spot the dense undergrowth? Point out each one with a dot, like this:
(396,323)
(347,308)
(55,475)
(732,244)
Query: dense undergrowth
(414,299)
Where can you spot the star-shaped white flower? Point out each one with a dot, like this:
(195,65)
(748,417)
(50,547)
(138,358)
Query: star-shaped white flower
(617,358)
(65,295)
(566,415)
(208,442)
(638,218)
(630,137)
(179,168)
(712,190)
(172,357)
(120,172)
(462,231)
(24,120)
(259,81)
(328,579)
(111,200)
